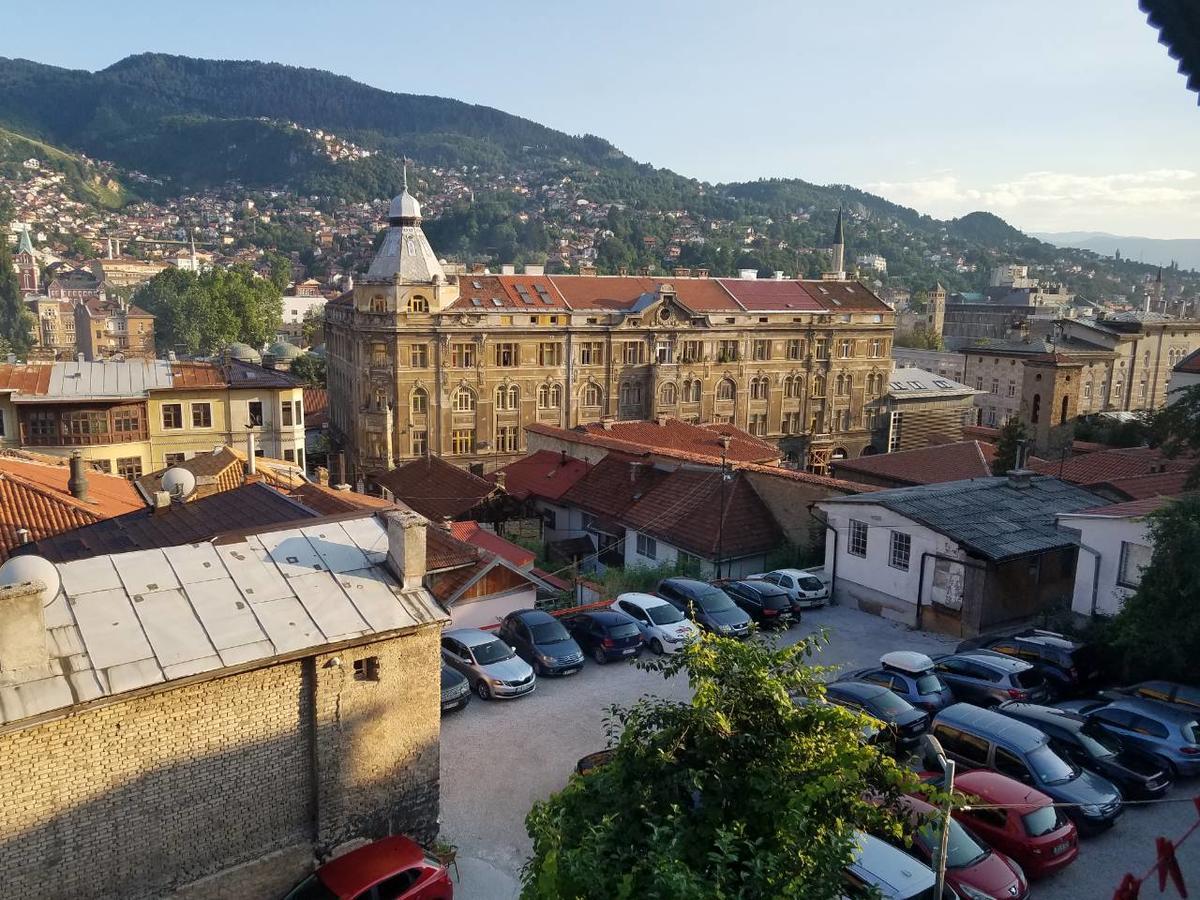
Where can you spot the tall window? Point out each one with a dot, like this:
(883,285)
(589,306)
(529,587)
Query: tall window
(758,424)
(285,414)
(1012,389)
(202,415)
(996,386)
(792,423)
(379,354)
(691,390)
(900,551)
(420,442)
(668,394)
(591,353)
(172,415)
(420,402)
(255,413)
(821,348)
(856,544)
(593,397)
(418,304)
(1134,558)
(762,350)
(691,351)
(634,353)
(631,394)
(464,400)
(875,348)
(726,389)
(1036,410)
(727,351)
(818,386)
(462,356)
(1087,390)
(507,437)
(647,547)
(795,349)
(462,440)
(379,304)
(549,396)
(550,354)
(506,355)
(507,397)
(845,349)
(418,355)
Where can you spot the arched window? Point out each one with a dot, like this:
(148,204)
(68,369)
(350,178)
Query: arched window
(420,402)
(464,400)
(758,388)
(507,396)
(549,396)
(631,394)
(668,394)
(726,389)
(1036,409)
(592,395)
(379,398)
(379,304)
(691,391)
(818,386)
(418,304)
(841,385)
(1062,418)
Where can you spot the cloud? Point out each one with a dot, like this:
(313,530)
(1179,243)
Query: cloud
(1168,198)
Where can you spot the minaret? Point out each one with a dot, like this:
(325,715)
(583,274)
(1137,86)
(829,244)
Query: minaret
(838,252)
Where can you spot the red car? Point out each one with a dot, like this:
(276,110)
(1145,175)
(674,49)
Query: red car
(973,869)
(394,868)
(1032,831)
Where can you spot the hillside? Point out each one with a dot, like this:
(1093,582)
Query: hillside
(85,181)
(1185,252)
(503,188)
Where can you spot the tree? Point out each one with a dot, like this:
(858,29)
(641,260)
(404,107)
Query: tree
(739,793)
(310,369)
(1176,428)
(280,269)
(1157,632)
(16,321)
(1007,446)
(313,326)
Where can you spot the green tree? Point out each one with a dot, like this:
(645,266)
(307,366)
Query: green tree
(739,793)
(1011,434)
(16,321)
(313,326)
(1169,592)
(310,369)
(280,269)
(1176,428)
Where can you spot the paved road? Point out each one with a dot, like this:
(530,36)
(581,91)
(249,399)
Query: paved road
(498,758)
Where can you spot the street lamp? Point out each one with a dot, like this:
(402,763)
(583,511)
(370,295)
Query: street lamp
(723,440)
(934,752)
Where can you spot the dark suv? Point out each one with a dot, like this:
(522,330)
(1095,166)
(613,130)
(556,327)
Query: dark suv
(542,641)
(605,634)
(909,675)
(709,607)
(768,605)
(986,678)
(1071,668)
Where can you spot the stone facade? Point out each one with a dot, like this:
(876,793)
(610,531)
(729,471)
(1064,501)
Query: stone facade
(143,794)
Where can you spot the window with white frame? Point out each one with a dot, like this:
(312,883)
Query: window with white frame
(647,546)
(856,545)
(1134,558)
(901,550)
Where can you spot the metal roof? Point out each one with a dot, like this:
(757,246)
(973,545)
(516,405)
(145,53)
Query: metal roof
(988,516)
(131,620)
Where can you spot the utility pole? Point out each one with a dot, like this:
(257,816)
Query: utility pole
(724,441)
(934,752)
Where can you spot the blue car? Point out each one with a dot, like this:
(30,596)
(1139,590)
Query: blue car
(911,676)
(542,641)
(1168,734)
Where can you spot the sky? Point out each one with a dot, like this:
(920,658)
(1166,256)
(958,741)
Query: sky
(1058,116)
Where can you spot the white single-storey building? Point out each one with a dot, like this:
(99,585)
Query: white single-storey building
(1114,547)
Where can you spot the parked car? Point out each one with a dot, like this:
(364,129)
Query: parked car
(973,868)
(605,634)
(879,870)
(870,732)
(542,641)
(493,668)
(1087,745)
(456,690)
(986,678)
(909,675)
(1019,821)
(1168,734)
(766,604)
(395,868)
(663,627)
(905,722)
(978,738)
(804,589)
(1071,668)
(707,606)
(1182,695)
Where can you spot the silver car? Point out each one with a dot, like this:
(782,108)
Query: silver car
(493,668)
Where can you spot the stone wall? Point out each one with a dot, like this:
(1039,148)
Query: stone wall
(136,798)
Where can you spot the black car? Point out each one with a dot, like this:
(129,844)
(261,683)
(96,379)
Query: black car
(542,641)
(768,605)
(707,606)
(1071,668)
(456,689)
(605,634)
(905,722)
(909,675)
(1090,747)
(986,678)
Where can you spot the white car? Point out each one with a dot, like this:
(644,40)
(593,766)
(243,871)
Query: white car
(663,627)
(880,870)
(803,587)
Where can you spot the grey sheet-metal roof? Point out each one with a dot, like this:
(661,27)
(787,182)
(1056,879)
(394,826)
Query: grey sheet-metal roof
(911,383)
(105,380)
(987,516)
(132,620)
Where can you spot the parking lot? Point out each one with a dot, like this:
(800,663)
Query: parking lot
(498,758)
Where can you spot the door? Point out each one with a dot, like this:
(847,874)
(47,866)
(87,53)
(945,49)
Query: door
(1013,766)
(638,615)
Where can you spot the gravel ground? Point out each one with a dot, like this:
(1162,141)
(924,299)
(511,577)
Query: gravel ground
(498,758)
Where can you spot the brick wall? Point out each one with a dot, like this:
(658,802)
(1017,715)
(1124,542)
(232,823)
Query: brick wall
(133,799)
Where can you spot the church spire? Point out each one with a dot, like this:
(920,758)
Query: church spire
(26,243)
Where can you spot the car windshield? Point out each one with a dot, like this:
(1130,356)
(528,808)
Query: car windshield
(664,615)
(890,704)
(1041,821)
(1030,678)
(713,600)
(776,601)
(311,888)
(962,851)
(549,633)
(492,652)
(808,583)
(1048,767)
(624,630)
(929,684)
(1097,743)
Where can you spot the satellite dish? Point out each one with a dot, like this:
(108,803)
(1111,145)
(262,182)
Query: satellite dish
(179,483)
(20,569)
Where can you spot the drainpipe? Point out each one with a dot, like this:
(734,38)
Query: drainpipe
(970,564)
(824,520)
(1095,576)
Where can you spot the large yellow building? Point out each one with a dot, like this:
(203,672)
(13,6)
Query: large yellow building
(142,415)
(456,364)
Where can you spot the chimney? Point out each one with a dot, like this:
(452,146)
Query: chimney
(635,469)
(702,273)
(322,475)
(661,420)
(23,635)
(644,270)
(562,459)
(406,547)
(778,275)
(341,468)
(478,268)
(748,274)
(444,523)
(1021,479)
(171,356)
(77,484)
(622,271)
(681,272)
(508,269)
(1022,453)
(11,358)
(606,422)
(251,459)
(78,357)
(162,500)
(535,270)
(587,269)
(500,477)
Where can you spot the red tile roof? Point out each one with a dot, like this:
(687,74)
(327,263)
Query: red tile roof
(925,465)
(674,438)
(761,295)
(613,485)
(329,502)
(1109,465)
(1158,484)
(837,296)
(1131,509)
(837,484)
(544,474)
(444,551)
(981,433)
(472,533)
(316,407)
(435,488)
(684,509)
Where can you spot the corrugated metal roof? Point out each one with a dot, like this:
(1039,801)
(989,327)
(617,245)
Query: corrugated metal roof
(129,620)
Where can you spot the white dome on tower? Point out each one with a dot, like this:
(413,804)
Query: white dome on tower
(404,206)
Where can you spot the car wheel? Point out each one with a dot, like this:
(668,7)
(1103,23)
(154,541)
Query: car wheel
(656,646)
(538,669)
(1168,767)
(483,690)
